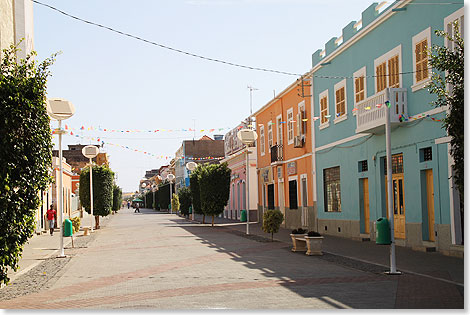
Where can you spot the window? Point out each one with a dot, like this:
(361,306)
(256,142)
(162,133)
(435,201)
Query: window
(421,42)
(359,85)
(270,135)
(279,130)
(397,164)
(261,140)
(425,154)
(457,16)
(332,189)
(324,112)
(301,123)
(363,167)
(340,101)
(290,126)
(271,196)
(387,70)
(293,194)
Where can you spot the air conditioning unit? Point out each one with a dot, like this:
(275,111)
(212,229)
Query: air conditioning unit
(299,141)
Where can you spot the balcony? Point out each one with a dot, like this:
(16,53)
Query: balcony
(370,114)
(276,154)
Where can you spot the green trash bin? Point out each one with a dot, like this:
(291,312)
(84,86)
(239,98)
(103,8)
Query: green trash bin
(243,216)
(382,232)
(68,228)
(190,210)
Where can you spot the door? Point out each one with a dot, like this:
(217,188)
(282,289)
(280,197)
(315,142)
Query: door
(365,195)
(282,206)
(271,196)
(303,188)
(398,204)
(430,203)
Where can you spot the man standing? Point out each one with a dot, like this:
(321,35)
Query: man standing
(50,218)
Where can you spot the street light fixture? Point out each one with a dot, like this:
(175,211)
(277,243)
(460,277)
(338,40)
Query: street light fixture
(60,109)
(91,151)
(170,177)
(191,166)
(247,137)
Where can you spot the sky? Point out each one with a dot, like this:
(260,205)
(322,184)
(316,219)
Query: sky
(119,83)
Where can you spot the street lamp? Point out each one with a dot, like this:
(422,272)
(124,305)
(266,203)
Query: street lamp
(143,192)
(91,151)
(247,137)
(191,166)
(170,177)
(60,109)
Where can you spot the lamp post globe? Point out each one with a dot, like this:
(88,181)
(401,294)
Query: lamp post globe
(60,109)
(247,137)
(170,178)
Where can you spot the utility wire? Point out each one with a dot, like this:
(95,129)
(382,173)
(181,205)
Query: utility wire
(164,46)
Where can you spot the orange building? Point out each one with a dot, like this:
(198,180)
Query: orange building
(285,172)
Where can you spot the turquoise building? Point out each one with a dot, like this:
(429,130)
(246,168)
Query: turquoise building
(380,58)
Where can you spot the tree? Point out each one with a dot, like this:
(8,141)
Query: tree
(450,63)
(195,191)
(25,151)
(117,197)
(214,186)
(102,191)
(272,220)
(175,203)
(184,195)
(164,195)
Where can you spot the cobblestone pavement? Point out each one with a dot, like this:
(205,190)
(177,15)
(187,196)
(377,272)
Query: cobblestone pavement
(161,261)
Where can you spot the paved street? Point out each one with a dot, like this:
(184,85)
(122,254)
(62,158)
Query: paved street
(158,260)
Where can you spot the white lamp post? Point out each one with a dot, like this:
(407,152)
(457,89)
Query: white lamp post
(154,189)
(60,109)
(191,166)
(91,151)
(247,137)
(170,177)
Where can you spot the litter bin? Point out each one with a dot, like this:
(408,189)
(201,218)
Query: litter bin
(190,210)
(243,216)
(382,232)
(68,228)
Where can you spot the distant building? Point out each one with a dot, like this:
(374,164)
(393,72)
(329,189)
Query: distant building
(77,160)
(235,156)
(204,150)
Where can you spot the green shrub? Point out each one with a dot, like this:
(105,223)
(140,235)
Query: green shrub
(313,234)
(76,221)
(184,195)
(25,151)
(175,203)
(299,231)
(272,220)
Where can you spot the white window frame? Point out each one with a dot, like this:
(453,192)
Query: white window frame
(343,117)
(279,128)
(300,109)
(457,15)
(359,73)
(425,34)
(290,126)
(320,96)
(262,141)
(270,135)
(384,58)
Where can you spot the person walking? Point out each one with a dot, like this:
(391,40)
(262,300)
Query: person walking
(136,208)
(50,218)
(128,204)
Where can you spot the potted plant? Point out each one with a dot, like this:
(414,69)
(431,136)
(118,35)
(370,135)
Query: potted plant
(314,242)
(298,240)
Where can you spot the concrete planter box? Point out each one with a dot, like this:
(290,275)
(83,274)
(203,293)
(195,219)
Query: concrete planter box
(314,244)
(298,242)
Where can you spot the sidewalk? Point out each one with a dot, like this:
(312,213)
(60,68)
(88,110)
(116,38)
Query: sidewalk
(433,265)
(43,246)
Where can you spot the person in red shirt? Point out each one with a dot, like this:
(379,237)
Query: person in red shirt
(50,217)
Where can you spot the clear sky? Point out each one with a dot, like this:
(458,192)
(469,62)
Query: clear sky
(119,83)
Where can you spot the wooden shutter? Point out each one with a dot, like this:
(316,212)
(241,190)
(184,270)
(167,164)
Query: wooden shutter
(381,72)
(393,78)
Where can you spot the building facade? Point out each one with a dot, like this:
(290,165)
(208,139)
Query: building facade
(77,160)
(235,157)
(16,25)
(204,150)
(284,149)
(379,63)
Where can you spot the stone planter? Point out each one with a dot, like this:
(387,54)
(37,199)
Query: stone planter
(298,242)
(314,244)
